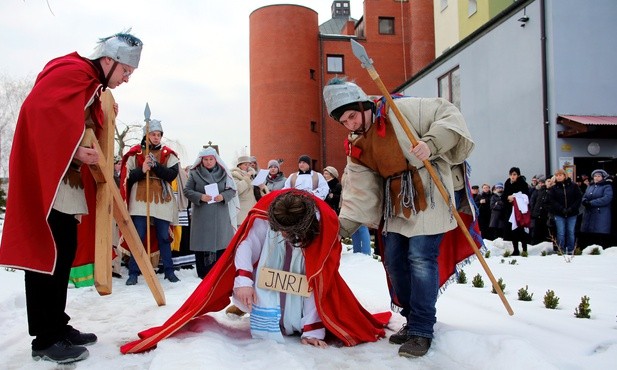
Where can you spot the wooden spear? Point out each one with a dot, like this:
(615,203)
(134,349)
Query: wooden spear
(360,53)
(147,155)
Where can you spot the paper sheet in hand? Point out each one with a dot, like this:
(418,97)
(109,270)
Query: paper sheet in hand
(260,178)
(212,190)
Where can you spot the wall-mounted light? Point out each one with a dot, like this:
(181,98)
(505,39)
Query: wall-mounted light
(524,19)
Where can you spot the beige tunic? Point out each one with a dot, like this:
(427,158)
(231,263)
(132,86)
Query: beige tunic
(441,125)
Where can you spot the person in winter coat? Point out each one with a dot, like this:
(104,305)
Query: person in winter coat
(539,206)
(334,196)
(496,224)
(213,218)
(596,225)
(244,185)
(565,197)
(275,179)
(483,201)
(514,184)
(308,180)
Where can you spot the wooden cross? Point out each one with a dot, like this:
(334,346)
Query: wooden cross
(110,206)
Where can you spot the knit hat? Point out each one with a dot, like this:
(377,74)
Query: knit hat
(244,159)
(332,171)
(154,125)
(601,172)
(274,163)
(499,185)
(541,178)
(305,158)
(121,47)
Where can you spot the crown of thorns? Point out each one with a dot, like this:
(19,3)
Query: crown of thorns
(294,223)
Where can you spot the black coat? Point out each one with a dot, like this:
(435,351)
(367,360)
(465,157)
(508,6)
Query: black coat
(334,196)
(566,198)
(510,188)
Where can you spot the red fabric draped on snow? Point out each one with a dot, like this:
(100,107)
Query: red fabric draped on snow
(322,256)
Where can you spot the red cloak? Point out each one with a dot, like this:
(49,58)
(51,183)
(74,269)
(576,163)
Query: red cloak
(340,311)
(49,129)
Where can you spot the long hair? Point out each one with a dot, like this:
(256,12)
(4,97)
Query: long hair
(294,214)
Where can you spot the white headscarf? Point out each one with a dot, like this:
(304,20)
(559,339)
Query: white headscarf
(234,203)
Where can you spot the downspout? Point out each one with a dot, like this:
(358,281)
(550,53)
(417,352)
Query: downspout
(321,102)
(545,118)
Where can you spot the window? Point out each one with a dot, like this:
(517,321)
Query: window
(313,126)
(449,86)
(472,7)
(312,73)
(386,26)
(335,64)
(444,4)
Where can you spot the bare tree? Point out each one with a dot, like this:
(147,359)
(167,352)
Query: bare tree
(13,92)
(126,137)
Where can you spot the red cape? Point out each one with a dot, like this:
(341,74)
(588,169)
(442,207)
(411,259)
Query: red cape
(48,131)
(340,311)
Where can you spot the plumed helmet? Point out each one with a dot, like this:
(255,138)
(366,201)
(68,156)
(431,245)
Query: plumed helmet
(155,125)
(121,47)
(339,92)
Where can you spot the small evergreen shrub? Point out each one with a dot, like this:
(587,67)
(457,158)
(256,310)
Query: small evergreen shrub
(595,251)
(551,300)
(507,253)
(524,254)
(513,262)
(477,281)
(583,310)
(543,254)
(577,251)
(502,260)
(523,294)
(461,278)
(487,254)
(501,284)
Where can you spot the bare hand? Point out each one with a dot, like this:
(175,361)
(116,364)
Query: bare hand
(87,155)
(206,198)
(421,151)
(218,198)
(510,198)
(116,108)
(247,296)
(314,342)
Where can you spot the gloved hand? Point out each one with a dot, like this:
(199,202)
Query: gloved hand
(586,203)
(153,160)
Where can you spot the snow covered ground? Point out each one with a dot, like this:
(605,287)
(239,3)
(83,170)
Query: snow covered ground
(473,330)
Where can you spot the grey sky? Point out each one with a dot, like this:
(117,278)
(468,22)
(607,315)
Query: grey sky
(194,70)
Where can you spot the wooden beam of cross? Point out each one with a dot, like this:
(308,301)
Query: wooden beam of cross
(110,206)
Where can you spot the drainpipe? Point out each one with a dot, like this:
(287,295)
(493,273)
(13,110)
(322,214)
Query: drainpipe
(321,103)
(545,117)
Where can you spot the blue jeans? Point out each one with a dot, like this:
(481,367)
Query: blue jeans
(361,240)
(411,264)
(565,232)
(162,235)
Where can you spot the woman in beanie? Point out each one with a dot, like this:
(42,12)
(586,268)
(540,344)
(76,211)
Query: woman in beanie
(596,225)
(244,183)
(334,196)
(275,179)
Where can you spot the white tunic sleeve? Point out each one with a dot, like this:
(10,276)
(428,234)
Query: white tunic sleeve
(248,252)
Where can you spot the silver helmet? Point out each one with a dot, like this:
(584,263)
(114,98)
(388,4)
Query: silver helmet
(121,47)
(340,92)
(155,125)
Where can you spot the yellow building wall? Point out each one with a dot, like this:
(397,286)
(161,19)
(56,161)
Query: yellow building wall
(446,25)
